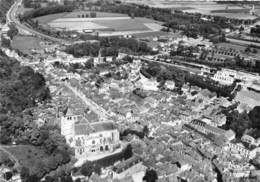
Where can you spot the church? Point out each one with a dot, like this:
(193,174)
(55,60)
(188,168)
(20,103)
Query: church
(89,138)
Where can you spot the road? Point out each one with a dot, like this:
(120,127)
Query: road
(242,42)
(100,111)
(11,16)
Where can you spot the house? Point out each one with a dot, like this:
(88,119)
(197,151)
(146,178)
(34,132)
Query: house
(129,167)
(238,148)
(89,138)
(205,128)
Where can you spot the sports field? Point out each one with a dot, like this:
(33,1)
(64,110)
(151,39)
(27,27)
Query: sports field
(105,23)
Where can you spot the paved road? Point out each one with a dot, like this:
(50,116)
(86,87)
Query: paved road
(100,111)
(11,17)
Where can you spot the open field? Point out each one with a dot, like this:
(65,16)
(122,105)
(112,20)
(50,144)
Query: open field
(107,24)
(209,8)
(30,156)
(26,43)
(99,14)
(48,18)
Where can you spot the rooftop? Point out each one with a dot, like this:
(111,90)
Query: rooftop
(86,128)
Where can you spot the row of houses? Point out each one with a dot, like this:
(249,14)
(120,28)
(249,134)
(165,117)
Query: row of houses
(229,136)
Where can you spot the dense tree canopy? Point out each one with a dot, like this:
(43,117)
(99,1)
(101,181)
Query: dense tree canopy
(109,46)
(45,11)
(21,87)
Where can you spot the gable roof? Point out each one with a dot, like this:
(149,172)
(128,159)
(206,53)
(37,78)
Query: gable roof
(82,129)
(87,128)
(103,126)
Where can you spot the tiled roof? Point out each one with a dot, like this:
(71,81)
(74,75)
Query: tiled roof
(103,126)
(82,129)
(85,128)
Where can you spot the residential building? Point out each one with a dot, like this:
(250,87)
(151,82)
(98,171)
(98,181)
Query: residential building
(127,168)
(222,55)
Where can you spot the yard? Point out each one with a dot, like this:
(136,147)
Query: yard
(26,43)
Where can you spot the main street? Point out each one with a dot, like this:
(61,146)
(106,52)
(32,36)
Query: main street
(11,16)
(99,110)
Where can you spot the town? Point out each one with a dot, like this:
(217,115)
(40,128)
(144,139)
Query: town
(138,91)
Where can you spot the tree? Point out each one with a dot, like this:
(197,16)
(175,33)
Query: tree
(150,176)
(5,42)
(13,31)
(88,168)
(93,14)
(254,116)
(128,152)
(241,29)
(24,173)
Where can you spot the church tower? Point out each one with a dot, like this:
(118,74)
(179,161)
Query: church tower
(68,121)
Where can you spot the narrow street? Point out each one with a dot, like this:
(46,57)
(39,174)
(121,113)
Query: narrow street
(100,111)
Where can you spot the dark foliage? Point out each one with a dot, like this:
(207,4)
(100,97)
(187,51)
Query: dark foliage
(109,47)
(150,176)
(45,11)
(89,167)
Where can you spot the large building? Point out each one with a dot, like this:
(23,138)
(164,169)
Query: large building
(89,138)
(225,76)
(222,55)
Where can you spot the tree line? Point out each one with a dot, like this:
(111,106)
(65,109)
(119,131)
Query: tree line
(4,7)
(191,23)
(45,11)
(109,46)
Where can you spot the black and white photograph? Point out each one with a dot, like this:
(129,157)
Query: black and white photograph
(129,90)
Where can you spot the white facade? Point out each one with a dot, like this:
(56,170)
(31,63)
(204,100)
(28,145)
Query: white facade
(89,138)
(225,77)
(94,143)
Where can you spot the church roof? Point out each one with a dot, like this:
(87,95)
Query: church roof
(103,126)
(87,128)
(82,129)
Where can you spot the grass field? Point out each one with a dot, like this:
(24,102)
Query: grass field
(26,43)
(29,157)
(49,18)
(123,25)
(108,24)
(99,14)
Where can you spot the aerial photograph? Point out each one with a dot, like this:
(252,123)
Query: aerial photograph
(129,90)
